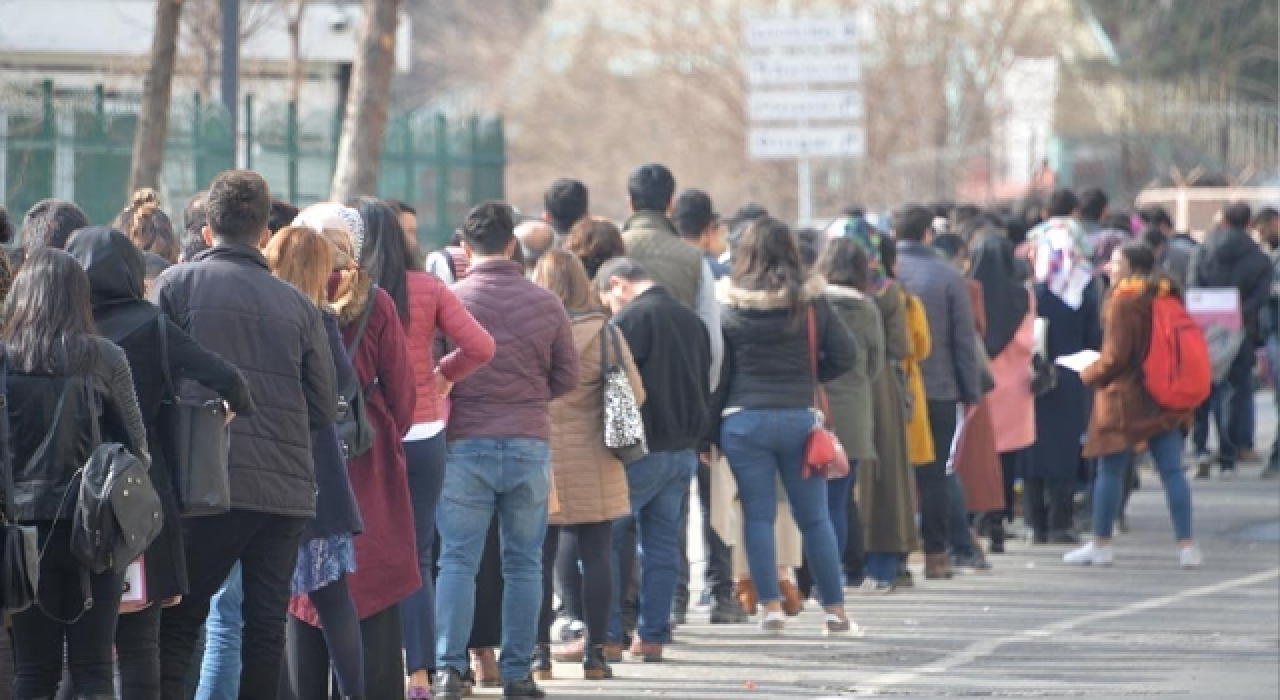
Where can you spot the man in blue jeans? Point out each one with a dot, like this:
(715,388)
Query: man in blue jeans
(672,351)
(499,453)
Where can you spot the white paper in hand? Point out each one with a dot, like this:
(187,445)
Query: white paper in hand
(1079,361)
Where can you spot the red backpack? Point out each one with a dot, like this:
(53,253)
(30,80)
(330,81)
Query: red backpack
(1177,371)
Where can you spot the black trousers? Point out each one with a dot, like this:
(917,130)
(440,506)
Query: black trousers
(718,577)
(39,639)
(307,659)
(267,548)
(344,647)
(1050,504)
(935,497)
(595,550)
(138,654)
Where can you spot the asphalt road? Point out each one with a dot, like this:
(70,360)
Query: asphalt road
(1032,628)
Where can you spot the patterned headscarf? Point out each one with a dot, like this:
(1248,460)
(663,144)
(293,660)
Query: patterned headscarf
(1062,258)
(332,215)
(866,236)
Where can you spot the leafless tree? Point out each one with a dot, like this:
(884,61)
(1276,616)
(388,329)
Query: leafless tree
(363,130)
(294,25)
(153,117)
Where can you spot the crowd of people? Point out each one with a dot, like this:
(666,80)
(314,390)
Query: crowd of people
(454,470)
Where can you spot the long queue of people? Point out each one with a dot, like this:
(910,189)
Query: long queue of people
(494,447)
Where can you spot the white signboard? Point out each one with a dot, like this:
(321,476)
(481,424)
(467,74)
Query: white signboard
(817,142)
(793,32)
(801,70)
(805,105)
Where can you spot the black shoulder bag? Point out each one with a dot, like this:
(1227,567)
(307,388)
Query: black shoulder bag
(355,431)
(195,439)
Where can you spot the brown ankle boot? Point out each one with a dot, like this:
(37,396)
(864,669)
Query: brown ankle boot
(937,566)
(747,596)
(792,601)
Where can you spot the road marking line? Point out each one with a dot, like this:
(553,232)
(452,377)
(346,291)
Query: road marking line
(987,647)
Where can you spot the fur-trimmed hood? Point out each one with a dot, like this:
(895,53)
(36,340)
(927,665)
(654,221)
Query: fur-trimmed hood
(836,293)
(349,294)
(761,300)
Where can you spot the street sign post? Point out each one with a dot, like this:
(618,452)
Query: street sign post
(803,70)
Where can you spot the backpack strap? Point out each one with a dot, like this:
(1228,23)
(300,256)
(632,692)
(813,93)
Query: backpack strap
(364,322)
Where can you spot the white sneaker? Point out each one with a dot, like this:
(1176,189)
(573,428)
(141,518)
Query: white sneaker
(1191,558)
(773,622)
(836,626)
(1091,553)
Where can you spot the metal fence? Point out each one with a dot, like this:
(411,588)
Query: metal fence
(78,145)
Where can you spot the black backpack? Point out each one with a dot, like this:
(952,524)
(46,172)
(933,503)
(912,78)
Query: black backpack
(355,432)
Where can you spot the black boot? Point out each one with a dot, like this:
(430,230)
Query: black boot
(448,685)
(594,666)
(523,688)
(541,665)
(997,537)
(726,611)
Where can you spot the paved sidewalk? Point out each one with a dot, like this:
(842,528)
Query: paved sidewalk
(1033,628)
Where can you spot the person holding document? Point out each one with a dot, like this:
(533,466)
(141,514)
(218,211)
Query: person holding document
(1125,414)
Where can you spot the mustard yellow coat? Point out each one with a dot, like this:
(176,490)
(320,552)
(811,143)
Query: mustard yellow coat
(920,445)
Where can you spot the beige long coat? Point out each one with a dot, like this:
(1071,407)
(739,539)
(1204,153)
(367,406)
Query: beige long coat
(590,483)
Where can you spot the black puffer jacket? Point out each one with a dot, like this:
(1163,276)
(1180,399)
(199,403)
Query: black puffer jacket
(1230,258)
(227,300)
(767,353)
(103,394)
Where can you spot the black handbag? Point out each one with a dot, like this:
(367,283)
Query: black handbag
(355,430)
(20,560)
(195,439)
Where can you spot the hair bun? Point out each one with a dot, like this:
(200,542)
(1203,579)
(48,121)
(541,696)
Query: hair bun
(144,197)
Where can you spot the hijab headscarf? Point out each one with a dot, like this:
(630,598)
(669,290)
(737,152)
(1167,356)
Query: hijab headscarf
(1062,258)
(1003,297)
(866,236)
(348,285)
(117,281)
(326,215)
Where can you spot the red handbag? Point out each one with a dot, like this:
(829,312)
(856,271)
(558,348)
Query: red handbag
(824,456)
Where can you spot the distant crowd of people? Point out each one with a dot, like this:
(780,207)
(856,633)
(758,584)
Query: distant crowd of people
(494,447)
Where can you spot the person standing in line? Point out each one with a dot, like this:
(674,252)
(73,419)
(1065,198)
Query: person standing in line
(1125,415)
(589,481)
(699,224)
(408,217)
(595,242)
(670,348)
(765,409)
(146,224)
(844,265)
(69,390)
(566,203)
(499,453)
(1068,297)
(430,309)
(536,238)
(303,257)
(230,303)
(1009,339)
(122,314)
(1230,258)
(951,371)
(654,243)
(367,291)
(1267,225)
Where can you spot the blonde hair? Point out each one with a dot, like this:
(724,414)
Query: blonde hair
(302,257)
(146,224)
(563,274)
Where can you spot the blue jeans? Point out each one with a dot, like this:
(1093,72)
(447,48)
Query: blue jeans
(762,445)
(1231,407)
(658,483)
(510,477)
(426,466)
(839,495)
(883,566)
(220,671)
(1166,450)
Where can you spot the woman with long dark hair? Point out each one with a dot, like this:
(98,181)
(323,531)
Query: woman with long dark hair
(116,268)
(1124,414)
(427,309)
(69,390)
(765,402)
(386,557)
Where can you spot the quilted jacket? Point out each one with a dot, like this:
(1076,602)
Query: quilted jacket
(590,483)
(535,361)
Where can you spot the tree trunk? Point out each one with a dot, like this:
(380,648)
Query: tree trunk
(153,117)
(295,50)
(360,148)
